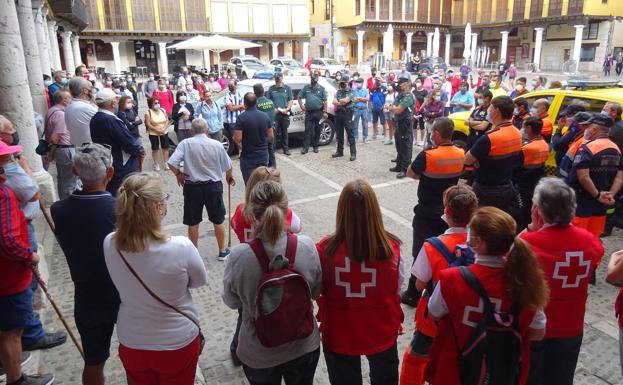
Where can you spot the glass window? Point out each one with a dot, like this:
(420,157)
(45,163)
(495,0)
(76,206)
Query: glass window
(220,18)
(593,106)
(170,18)
(280,23)
(260,18)
(370,9)
(397,10)
(587,54)
(422,11)
(357,7)
(300,18)
(519,7)
(530,100)
(410,9)
(590,31)
(241,21)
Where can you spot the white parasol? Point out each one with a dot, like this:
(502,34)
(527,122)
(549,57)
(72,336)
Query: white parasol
(467,42)
(214,43)
(436,42)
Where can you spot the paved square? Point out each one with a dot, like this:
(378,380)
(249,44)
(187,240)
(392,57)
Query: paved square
(313,182)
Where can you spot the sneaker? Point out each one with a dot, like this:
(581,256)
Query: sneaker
(26,356)
(389,141)
(401,175)
(49,340)
(315,150)
(37,379)
(420,143)
(166,166)
(156,167)
(222,256)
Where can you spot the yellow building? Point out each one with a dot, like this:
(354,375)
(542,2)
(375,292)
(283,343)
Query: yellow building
(123,34)
(550,33)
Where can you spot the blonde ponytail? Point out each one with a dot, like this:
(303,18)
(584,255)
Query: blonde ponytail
(268,204)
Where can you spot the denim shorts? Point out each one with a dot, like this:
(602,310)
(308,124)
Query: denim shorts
(15,310)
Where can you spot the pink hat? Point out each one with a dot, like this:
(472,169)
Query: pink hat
(5,149)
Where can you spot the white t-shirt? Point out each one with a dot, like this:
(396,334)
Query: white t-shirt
(169,269)
(78,116)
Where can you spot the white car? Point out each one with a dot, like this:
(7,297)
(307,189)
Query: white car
(325,66)
(246,66)
(288,66)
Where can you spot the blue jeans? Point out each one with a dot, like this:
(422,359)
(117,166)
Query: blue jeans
(33,330)
(360,114)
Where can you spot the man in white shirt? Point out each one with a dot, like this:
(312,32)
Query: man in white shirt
(205,161)
(79,112)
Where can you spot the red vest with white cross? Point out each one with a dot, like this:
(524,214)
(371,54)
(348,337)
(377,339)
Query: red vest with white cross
(465,309)
(568,255)
(243,229)
(359,308)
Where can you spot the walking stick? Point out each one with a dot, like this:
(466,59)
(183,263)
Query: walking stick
(229,214)
(45,289)
(57,310)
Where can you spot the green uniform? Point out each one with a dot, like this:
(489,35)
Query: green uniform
(281,96)
(315,97)
(268,107)
(344,121)
(404,130)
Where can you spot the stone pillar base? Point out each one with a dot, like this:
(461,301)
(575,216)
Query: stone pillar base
(47,188)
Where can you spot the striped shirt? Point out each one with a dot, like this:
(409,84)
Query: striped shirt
(234,99)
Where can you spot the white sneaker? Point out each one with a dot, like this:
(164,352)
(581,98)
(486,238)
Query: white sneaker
(156,167)
(166,166)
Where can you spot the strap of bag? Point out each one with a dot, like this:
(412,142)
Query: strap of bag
(441,247)
(154,295)
(473,282)
(260,252)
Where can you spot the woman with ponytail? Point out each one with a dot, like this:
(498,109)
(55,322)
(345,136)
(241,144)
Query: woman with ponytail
(359,310)
(157,344)
(293,361)
(510,275)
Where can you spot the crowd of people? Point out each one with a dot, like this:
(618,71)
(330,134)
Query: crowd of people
(497,294)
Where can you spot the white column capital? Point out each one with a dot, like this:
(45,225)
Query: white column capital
(44,11)
(360,33)
(539,29)
(66,34)
(430,34)
(474,34)
(579,26)
(116,43)
(505,32)
(162,44)
(409,34)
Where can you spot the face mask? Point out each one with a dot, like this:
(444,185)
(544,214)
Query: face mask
(481,101)
(436,86)
(489,118)
(359,85)
(10,168)
(355,77)
(604,113)
(182,99)
(533,83)
(519,87)
(463,90)
(418,84)
(515,112)
(151,78)
(108,83)
(156,106)
(210,80)
(189,88)
(161,87)
(338,77)
(122,85)
(64,81)
(437,98)
(128,106)
(534,111)
(47,83)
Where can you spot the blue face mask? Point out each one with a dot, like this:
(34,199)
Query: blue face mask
(489,119)
(534,111)
(64,81)
(11,168)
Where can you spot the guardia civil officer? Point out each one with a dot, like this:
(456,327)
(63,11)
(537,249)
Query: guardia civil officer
(344,106)
(281,95)
(403,122)
(315,108)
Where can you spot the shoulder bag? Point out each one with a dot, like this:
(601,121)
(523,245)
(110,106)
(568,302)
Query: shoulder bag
(202,339)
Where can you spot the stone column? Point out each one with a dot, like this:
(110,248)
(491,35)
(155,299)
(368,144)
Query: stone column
(31,55)
(538,43)
(429,44)
(409,38)
(164,62)
(75,45)
(42,41)
(117,56)
(46,30)
(447,51)
(206,59)
(305,52)
(577,46)
(56,53)
(242,51)
(474,47)
(288,48)
(15,98)
(275,45)
(504,46)
(68,53)
(360,34)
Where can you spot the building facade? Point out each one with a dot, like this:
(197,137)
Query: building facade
(124,34)
(549,35)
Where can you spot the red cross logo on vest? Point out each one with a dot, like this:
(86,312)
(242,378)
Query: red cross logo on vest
(573,270)
(249,234)
(497,303)
(356,279)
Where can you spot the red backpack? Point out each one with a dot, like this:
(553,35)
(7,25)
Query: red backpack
(284,302)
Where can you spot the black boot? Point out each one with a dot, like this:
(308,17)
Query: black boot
(411,296)
(338,154)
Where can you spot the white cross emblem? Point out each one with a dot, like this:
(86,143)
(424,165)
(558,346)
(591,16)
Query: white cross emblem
(581,262)
(497,304)
(362,284)
(249,234)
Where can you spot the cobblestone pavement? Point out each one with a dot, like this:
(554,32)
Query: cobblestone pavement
(313,182)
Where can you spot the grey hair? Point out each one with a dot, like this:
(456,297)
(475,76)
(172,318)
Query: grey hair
(199,126)
(77,85)
(104,103)
(91,162)
(57,73)
(59,96)
(617,107)
(555,200)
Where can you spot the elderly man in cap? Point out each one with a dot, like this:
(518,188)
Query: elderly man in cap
(315,107)
(402,108)
(344,105)
(107,129)
(560,141)
(577,125)
(596,176)
(16,297)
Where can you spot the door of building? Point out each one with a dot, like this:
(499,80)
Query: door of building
(145,54)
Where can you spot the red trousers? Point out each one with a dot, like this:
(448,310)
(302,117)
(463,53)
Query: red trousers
(161,367)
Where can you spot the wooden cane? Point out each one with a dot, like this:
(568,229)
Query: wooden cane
(45,289)
(229,214)
(57,310)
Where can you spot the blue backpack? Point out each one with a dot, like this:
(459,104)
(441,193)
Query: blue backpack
(461,255)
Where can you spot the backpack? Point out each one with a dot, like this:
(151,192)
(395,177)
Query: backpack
(284,301)
(460,256)
(492,354)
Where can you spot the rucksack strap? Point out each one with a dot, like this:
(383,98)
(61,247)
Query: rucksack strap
(473,282)
(260,252)
(441,247)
